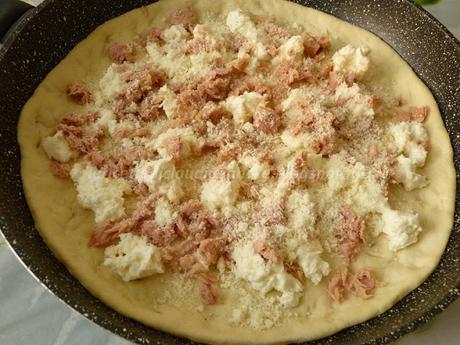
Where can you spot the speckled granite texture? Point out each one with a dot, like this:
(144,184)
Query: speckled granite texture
(425,44)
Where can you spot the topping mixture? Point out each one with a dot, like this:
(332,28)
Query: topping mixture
(241,153)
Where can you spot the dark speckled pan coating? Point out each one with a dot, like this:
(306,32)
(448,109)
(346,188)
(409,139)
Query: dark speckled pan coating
(36,46)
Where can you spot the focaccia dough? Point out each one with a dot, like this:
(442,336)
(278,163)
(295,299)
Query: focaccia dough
(66,226)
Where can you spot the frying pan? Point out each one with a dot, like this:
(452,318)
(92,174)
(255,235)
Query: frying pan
(44,35)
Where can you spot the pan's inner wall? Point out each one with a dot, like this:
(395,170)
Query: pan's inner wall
(51,32)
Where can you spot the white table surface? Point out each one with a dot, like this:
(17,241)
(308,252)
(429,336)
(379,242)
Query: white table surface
(30,315)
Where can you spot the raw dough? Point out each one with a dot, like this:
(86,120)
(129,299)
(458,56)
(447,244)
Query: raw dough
(66,227)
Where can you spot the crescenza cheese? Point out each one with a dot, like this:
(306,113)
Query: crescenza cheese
(401,228)
(111,84)
(255,170)
(133,258)
(161,177)
(287,178)
(188,142)
(403,133)
(351,59)
(178,66)
(290,105)
(206,32)
(244,106)
(290,50)
(240,23)
(171,61)
(255,56)
(107,121)
(101,194)
(222,193)
(165,214)
(309,259)
(56,148)
(300,209)
(296,142)
(360,191)
(265,277)
(409,140)
(404,172)
(174,34)
(168,101)
(357,104)
(254,50)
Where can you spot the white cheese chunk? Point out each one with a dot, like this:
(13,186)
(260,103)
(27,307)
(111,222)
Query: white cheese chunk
(300,209)
(188,141)
(243,107)
(222,193)
(201,63)
(164,212)
(161,177)
(169,101)
(175,33)
(255,170)
(290,105)
(106,121)
(313,267)
(405,135)
(404,172)
(248,127)
(404,132)
(408,140)
(344,91)
(133,258)
(358,104)
(351,59)
(203,31)
(265,277)
(290,50)
(56,148)
(416,153)
(296,142)
(240,23)
(171,59)
(180,67)
(111,83)
(262,276)
(401,228)
(254,54)
(101,194)
(287,177)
